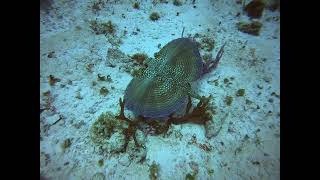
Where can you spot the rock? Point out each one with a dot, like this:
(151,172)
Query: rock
(47,112)
(92,109)
(255,8)
(141,138)
(44,159)
(252,28)
(194,166)
(213,127)
(125,160)
(115,57)
(267,79)
(52,119)
(138,155)
(116,142)
(98,176)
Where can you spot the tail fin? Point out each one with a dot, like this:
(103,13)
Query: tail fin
(218,57)
(212,64)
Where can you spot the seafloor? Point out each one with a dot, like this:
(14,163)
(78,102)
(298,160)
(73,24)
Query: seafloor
(83,73)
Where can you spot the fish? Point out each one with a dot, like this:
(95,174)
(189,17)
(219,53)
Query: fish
(165,85)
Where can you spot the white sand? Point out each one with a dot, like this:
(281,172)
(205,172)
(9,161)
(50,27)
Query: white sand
(238,151)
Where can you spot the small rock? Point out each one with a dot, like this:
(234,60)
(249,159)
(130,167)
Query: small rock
(92,109)
(252,28)
(66,144)
(52,119)
(44,159)
(267,79)
(213,127)
(255,8)
(240,92)
(137,154)
(100,162)
(115,57)
(79,124)
(125,160)
(51,54)
(116,142)
(98,176)
(141,138)
(194,166)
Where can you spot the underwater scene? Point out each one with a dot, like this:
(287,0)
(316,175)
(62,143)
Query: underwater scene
(159,89)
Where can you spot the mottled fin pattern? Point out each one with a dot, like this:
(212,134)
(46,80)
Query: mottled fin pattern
(164,86)
(153,99)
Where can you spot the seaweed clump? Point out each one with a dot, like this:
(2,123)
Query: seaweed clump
(104,78)
(104,91)
(273,5)
(155,2)
(139,57)
(103,128)
(191,176)
(132,127)
(109,127)
(136,5)
(89,67)
(109,30)
(53,80)
(154,171)
(103,28)
(154,16)
(199,115)
(207,44)
(228,100)
(252,28)
(240,92)
(100,162)
(255,8)
(51,54)
(98,176)
(66,144)
(177,2)
(97,6)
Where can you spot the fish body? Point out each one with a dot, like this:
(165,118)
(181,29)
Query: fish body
(164,86)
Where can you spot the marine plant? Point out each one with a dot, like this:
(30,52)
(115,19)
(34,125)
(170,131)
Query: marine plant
(89,67)
(154,16)
(190,176)
(103,127)
(101,78)
(199,115)
(240,92)
(104,91)
(154,171)
(139,57)
(97,5)
(252,28)
(136,5)
(103,28)
(100,162)
(228,100)
(255,8)
(177,2)
(53,80)
(207,44)
(65,144)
